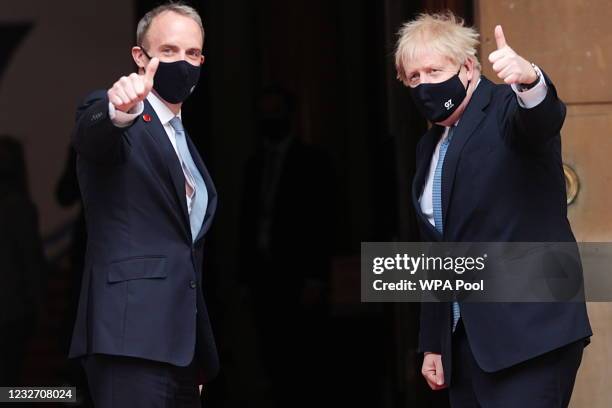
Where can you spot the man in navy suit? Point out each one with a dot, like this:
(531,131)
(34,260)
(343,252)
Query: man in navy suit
(490,170)
(142,328)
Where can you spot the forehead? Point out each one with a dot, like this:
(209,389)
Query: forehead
(173,28)
(425,57)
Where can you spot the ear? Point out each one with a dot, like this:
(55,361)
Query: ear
(202,59)
(139,58)
(470,66)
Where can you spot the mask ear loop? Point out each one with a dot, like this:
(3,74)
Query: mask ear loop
(149,57)
(468,82)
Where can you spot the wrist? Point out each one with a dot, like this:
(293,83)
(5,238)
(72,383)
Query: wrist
(534,82)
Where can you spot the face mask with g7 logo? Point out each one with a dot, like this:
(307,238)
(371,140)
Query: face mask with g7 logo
(438,101)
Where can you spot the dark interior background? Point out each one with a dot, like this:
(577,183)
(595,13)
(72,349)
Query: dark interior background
(336,57)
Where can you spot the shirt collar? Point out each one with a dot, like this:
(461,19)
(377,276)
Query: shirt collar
(164,113)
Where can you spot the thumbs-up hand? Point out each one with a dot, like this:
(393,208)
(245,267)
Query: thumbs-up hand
(508,65)
(129,90)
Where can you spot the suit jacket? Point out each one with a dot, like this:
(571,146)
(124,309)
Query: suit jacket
(141,294)
(502,182)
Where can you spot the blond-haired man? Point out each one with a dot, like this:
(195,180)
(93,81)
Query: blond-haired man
(489,170)
(142,329)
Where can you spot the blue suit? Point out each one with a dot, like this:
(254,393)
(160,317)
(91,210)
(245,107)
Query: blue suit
(502,182)
(141,294)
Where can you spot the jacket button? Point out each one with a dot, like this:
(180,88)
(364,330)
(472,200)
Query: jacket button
(192,284)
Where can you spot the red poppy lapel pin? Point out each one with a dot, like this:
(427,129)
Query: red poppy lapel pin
(146,117)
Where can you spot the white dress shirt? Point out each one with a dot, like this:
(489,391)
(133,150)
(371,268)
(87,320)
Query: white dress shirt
(123,119)
(527,99)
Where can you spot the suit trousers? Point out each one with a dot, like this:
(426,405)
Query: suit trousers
(118,381)
(545,381)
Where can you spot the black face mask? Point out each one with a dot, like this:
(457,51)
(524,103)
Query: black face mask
(175,81)
(438,101)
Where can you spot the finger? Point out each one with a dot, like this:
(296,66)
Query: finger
(434,386)
(497,55)
(114,99)
(128,89)
(512,79)
(502,64)
(138,85)
(500,39)
(431,380)
(439,373)
(506,71)
(121,95)
(151,69)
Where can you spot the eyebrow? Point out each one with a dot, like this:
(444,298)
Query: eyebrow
(425,68)
(176,47)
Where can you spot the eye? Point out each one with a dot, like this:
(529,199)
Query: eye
(194,56)
(413,79)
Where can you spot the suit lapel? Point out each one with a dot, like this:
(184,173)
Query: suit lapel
(468,123)
(429,142)
(157,132)
(159,135)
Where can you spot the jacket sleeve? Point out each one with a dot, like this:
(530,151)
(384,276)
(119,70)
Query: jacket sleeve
(533,127)
(95,137)
(430,330)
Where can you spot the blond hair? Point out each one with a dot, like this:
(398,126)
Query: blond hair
(176,7)
(444,33)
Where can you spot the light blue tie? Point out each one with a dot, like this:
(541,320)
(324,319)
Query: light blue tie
(437,204)
(200,196)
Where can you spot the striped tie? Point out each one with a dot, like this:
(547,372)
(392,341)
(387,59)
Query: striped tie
(437,204)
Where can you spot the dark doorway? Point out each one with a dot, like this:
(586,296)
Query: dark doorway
(357,130)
